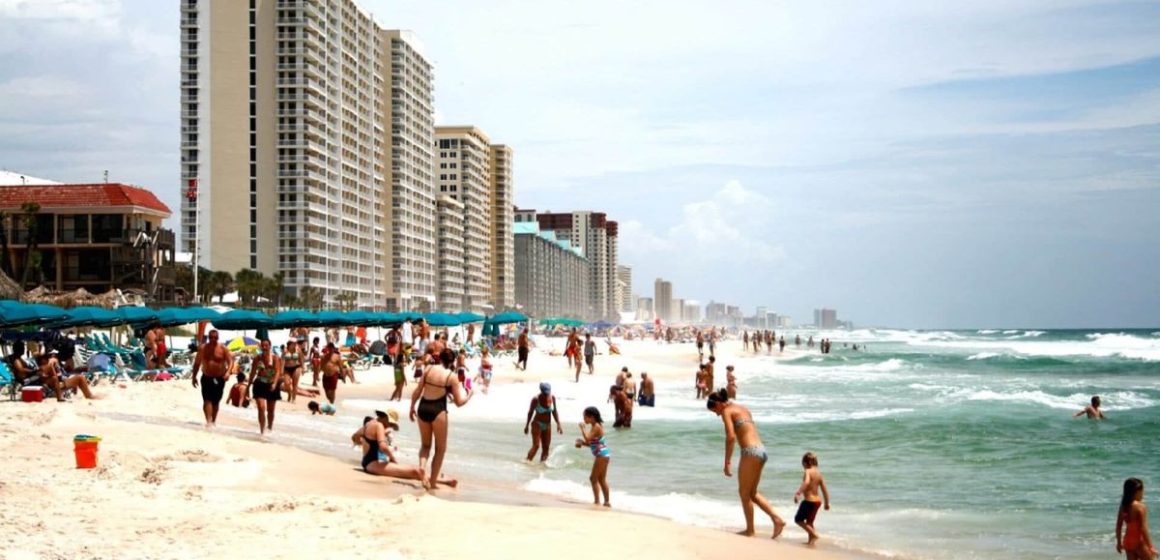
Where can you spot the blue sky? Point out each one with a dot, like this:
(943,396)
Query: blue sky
(991,163)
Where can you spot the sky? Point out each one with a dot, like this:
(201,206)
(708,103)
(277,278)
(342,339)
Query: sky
(993,163)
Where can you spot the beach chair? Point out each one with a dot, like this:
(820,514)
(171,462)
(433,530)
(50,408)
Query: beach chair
(139,364)
(8,381)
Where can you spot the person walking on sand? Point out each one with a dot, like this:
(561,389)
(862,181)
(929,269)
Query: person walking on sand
(522,351)
(812,482)
(745,341)
(399,365)
(592,435)
(215,362)
(700,346)
(1132,535)
(589,354)
(331,369)
(315,361)
(570,346)
(539,422)
(741,430)
(429,405)
(1092,410)
(266,370)
(292,369)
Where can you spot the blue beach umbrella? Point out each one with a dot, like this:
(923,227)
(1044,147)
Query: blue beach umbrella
(132,315)
(243,320)
(87,317)
(330,319)
(507,317)
(361,319)
(441,320)
(16,314)
(292,319)
(469,317)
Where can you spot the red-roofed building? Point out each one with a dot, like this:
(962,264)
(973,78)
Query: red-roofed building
(93,236)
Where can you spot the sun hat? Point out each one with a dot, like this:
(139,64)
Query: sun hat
(545,388)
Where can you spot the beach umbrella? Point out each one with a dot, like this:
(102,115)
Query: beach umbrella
(17,314)
(292,319)
(243,320)
(507,317)
(469,317)
(241,343)
(361,318)
(87,317)
(441,320)
(600,325)
(174,316)
(330,319)
(386,319)
(133,315)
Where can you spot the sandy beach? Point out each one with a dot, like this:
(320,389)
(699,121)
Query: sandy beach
(167,488)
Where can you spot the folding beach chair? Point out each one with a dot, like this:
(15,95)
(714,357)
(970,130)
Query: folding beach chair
(8,381)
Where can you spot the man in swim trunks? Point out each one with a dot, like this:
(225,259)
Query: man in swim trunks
(589,354)
(216,360)
(331,369)
(647,396)
(522,350)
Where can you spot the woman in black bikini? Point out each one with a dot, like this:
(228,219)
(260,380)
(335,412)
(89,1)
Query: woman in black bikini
(292,368)
(429,403)
(266,373)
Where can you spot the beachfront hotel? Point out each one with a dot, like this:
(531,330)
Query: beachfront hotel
(451,236)
(597,239)
(306,142)
(624,289)
(464,174)
(663,300)
(503,282)
(551,275)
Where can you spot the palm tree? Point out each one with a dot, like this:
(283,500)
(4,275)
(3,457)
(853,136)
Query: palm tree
(345,301)
(32,227)
(220,284)
(250,284)
(276,288)
(310,298)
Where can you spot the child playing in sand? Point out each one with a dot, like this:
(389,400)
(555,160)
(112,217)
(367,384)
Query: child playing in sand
(812,481)
(592,435)
(238,393)
(1135,543)
(325,408)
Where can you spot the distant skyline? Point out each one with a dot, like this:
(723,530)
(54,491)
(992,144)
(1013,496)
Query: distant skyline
(988,164)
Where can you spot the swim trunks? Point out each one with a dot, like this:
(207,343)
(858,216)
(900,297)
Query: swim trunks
(807,511)
(212,389)
(330,382)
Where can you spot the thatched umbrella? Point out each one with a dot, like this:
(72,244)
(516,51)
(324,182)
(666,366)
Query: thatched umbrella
(9,289)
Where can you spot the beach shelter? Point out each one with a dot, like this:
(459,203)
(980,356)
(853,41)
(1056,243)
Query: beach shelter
(133,315)
(561,321)
(506,317)
(330,319)
(174,316)
(17,314)
(441,320)
(243,320)
(292,319)
(361,318)
(469,317)
(387,319)
(87,317)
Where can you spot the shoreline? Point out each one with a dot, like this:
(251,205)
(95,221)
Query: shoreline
(169,476)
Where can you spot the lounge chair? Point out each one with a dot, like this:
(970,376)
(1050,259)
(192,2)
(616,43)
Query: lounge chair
(8,381)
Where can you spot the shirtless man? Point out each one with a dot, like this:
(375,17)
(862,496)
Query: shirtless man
(151,346)
(647,393)
(629,387)
(331,369)
(620,377)
(623,407)
(217,361)
(1092,410)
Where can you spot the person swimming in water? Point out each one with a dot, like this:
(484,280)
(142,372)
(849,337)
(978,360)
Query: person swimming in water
(1092,410)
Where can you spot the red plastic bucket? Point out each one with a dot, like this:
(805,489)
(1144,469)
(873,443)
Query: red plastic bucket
(85,449)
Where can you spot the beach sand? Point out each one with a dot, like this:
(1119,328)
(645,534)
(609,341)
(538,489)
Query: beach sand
(167,488)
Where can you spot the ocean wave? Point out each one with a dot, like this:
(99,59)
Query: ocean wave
(988,331)
(1119,400)
(984,355)
(1010,331)
(689,509)
(1095,345)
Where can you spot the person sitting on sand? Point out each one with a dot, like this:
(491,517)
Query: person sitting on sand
(378,456)
(740,429)
(808,493)
(1092,410)
(239,393)
(613,350)
(55,377)
(326,409)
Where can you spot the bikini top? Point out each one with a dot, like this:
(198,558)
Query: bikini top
(541,409)
(446,387)
(265,371)
(291,358)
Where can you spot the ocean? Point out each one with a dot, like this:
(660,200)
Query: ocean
(934,444)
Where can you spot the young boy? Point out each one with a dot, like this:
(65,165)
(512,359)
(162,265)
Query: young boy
(238,393)
(812,480)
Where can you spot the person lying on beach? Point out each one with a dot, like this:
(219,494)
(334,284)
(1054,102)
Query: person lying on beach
(378,455)
(326,409)
(1092,410)
(812,482)
(741,430)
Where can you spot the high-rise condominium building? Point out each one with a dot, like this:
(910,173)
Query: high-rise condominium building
(551,276)
(597,237)
(464,173)
(663,300)
(450,234)
(410,165)
(624,284)
(503,284)
(286,107)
